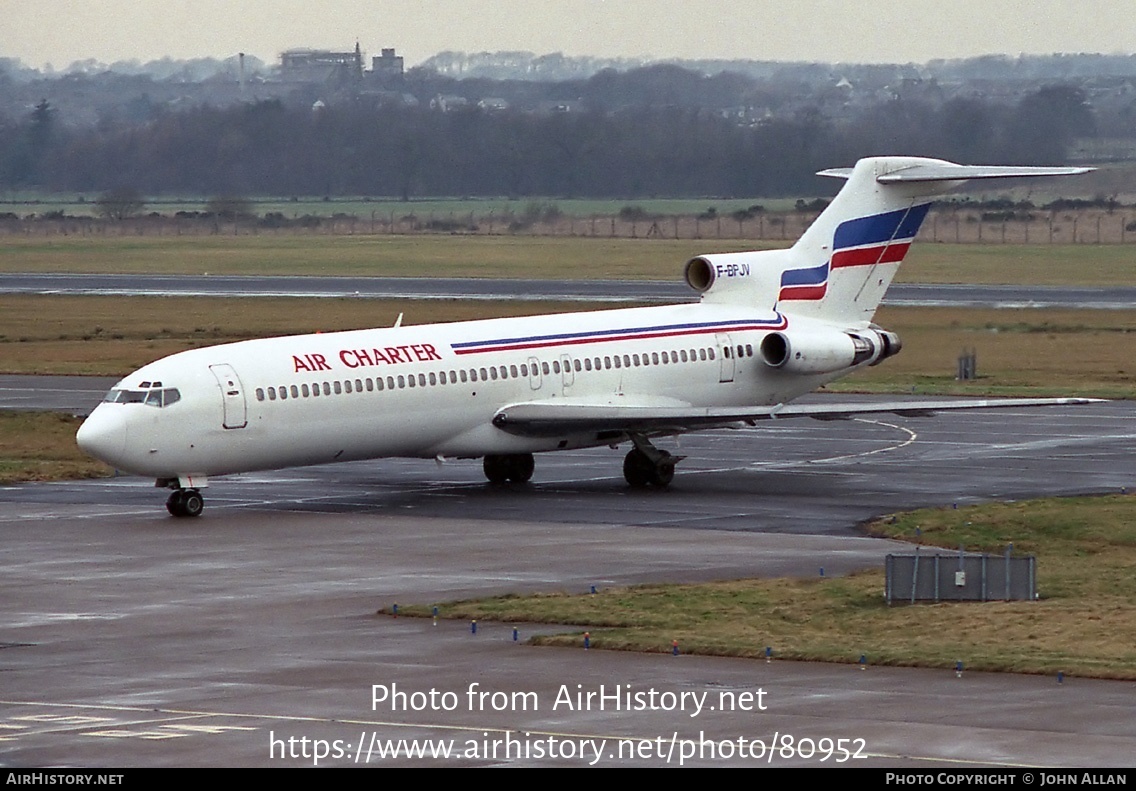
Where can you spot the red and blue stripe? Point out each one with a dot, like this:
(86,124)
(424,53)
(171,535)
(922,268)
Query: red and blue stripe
(776,322)
(865,241)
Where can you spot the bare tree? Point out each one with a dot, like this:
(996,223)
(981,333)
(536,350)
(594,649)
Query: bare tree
(230,207)
(120,203)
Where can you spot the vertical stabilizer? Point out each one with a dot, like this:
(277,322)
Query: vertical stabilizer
(846,260)
(843,264)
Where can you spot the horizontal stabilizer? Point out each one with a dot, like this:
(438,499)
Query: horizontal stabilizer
(556,417)
(949,172)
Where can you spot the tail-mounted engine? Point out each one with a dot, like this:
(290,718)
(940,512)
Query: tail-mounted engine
(827,351)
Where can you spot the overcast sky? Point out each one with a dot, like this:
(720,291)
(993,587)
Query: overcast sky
(62,31)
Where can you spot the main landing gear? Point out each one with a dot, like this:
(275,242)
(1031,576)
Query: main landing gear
(185,502)
(645,465)
(515,467)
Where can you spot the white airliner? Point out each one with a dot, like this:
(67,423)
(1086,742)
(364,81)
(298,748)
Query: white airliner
(769,327)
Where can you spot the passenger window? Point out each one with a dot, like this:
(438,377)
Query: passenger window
(513,371)
(701,354)
(260,394)
(484,375)
(390,383)
(556,366)
(379,383)
(433,378)
(370,386)
(473,374)
(627,361)
(576,365)
(401,382)
(347,386)
(607,363)
(338,387)
(588,364)
(710,353)
(410,381)
(462,372)
(421,380)
(544,367)
(272,394)
(304,389)
(442,377)
(683,354)
(358,385)
(316,389)
(283,393)
(618,362)
(295,391)
(749,350)
(326,388)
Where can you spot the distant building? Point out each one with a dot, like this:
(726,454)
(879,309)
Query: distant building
(321,66)
(387,66)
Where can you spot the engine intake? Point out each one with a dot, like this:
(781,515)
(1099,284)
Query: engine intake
(699,274)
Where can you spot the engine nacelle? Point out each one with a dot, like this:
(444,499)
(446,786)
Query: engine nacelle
(826,351)
(736,276)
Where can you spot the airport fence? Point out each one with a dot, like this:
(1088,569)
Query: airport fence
(947,224)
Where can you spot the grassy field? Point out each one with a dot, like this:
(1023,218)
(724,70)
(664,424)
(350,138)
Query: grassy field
(111,336)
(538,257)
(1026,351)
(1085,623)
(40,446)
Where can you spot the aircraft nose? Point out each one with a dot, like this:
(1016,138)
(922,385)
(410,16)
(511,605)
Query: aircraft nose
(103,434)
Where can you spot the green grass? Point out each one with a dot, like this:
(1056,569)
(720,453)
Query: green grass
(40,446)
(559,257)
(1051,265)
(1085,623)
(111,336)
(385,256)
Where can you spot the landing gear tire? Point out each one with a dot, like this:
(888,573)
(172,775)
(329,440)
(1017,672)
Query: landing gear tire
(516,467)
(185,502)
(640,472)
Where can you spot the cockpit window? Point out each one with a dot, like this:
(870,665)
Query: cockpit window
(155,397)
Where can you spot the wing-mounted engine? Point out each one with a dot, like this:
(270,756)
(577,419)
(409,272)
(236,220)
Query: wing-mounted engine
(825,350)
(752,278)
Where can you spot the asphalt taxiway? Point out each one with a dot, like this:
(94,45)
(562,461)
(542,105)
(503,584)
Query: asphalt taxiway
(130,638)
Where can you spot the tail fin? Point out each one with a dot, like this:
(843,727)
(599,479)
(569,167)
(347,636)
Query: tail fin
(843,264)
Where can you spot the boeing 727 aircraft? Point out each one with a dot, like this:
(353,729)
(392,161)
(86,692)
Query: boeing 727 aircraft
(769,327)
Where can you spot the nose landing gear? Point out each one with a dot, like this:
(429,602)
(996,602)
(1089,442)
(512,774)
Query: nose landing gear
(185,502)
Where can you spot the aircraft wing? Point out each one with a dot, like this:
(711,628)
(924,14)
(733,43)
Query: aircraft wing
(554,417)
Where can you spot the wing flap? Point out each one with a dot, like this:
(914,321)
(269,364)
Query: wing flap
(556,417)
